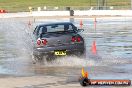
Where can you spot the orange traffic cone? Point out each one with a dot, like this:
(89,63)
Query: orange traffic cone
(81,24)
(94,50)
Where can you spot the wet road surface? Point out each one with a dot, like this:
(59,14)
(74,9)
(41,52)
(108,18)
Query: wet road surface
(114,51)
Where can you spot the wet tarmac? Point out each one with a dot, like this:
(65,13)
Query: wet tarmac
(113,60)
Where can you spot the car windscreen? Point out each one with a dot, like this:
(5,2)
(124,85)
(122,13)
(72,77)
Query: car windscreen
(57,28)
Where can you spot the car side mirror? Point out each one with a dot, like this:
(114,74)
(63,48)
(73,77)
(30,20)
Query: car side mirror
(80,30)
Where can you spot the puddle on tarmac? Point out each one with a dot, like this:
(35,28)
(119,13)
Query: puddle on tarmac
(114,47)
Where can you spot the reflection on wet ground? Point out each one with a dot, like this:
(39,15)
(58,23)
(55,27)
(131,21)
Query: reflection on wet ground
(114,47)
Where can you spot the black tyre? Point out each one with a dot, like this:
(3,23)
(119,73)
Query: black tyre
(50,58)
(84,81)
(80,54)
(37,58)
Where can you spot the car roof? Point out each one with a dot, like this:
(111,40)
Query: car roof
(57,23)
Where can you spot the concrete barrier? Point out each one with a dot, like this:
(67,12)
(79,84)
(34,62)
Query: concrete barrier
(51,13)
(67,13)
(12,15)
(103,13)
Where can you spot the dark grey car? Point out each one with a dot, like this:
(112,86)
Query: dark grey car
(57,39)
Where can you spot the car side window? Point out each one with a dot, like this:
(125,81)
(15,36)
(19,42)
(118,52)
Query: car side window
(35,31)
(40,30)
(74,28)
(69,28)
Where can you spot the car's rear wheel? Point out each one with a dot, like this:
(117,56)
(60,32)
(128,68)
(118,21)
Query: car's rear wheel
(43,58)
(50,57)
(79,53)
(37,58)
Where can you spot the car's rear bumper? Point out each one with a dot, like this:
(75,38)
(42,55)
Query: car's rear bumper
(70,49)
